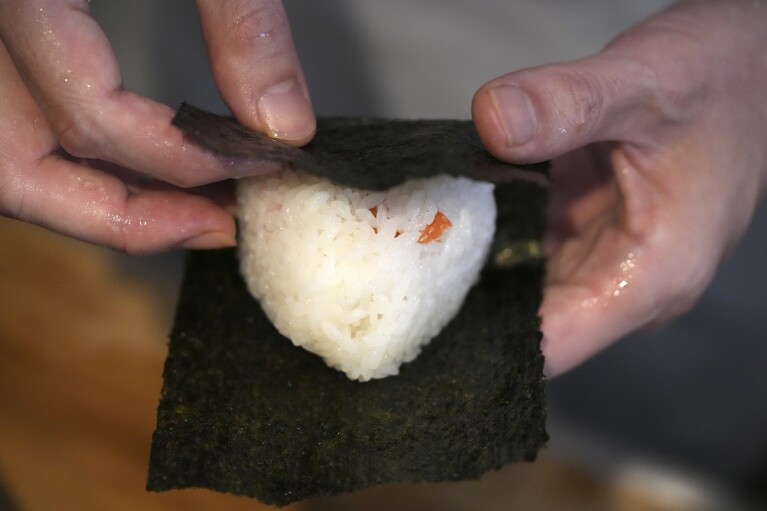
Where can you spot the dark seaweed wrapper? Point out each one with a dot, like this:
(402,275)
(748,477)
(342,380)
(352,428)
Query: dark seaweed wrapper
(363,152)
(244,411)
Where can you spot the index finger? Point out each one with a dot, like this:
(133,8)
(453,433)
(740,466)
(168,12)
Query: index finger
(256,67)
(68,65)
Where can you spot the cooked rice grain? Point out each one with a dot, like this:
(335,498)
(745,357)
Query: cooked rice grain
(340,271)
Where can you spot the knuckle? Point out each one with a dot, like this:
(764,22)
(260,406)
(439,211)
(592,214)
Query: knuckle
(263,28)
(77,134)
(11,195)
(15,189)
(121,233)
(582,101)
(673,99)
(129,246)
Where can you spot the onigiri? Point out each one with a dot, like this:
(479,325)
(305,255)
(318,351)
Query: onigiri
(364,279)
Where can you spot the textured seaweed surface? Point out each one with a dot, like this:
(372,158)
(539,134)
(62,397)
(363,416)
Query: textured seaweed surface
(369,153)
(244,411)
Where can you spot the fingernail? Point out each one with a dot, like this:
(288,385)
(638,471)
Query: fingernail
(515,113)
(286,111)
(208,240)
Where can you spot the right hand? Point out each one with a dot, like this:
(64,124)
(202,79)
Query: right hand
(659,148)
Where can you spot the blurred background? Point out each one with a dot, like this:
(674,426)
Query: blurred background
(670,419)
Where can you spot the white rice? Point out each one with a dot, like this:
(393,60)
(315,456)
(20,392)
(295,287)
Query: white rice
(355,287)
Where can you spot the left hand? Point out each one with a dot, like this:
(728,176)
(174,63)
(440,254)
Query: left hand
(84,157)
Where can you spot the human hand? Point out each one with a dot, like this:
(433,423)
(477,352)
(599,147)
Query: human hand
(660,159)
(82,156)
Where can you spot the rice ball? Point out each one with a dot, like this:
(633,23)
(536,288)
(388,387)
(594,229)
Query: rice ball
(364,279)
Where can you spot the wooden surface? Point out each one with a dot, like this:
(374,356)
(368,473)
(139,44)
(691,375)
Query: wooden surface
(81,354)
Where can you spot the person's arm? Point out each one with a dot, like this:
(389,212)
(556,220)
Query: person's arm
(660,159)
(82,156)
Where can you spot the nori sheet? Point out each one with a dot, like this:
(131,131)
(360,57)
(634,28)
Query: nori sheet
(244,411)
(362,152)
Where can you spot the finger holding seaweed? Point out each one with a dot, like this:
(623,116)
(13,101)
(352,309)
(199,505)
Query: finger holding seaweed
(363,152)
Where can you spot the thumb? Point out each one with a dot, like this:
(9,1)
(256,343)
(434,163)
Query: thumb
(539,113)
